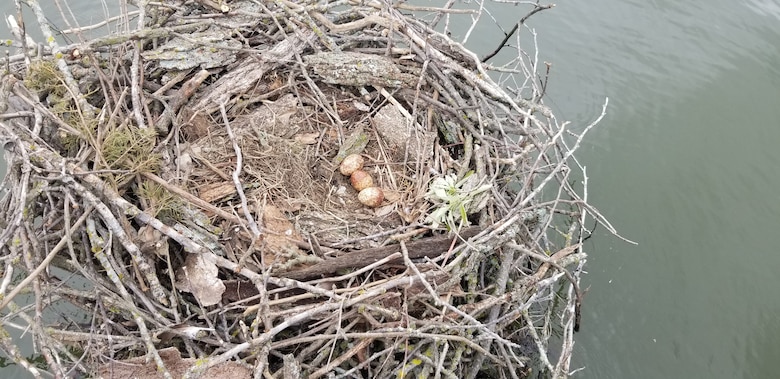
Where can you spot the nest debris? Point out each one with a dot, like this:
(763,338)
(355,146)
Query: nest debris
(174,207)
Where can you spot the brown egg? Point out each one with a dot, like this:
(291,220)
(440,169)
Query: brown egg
(371,197)
(350,164)
(361,180)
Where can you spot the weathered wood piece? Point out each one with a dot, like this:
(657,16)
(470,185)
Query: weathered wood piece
(246,76)
(427,247)
(357,69)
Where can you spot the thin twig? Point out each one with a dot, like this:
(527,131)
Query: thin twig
(236,180)
(45,262)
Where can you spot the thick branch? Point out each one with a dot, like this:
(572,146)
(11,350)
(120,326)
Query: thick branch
(427,247)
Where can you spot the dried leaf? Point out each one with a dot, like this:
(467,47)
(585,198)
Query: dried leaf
(185,165)
(216,191)
(280,237)
(199,276)
(306,138)
(360,106)
(384,211)
(195,125)
(184,330)
(152,241)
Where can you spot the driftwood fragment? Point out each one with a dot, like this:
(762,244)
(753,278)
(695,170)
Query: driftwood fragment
(141,368)
(429,247)
(356,69)
(246,76)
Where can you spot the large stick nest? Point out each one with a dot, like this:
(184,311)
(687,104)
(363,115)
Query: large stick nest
(174,202)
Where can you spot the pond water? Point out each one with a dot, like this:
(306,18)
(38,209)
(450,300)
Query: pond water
(685,163)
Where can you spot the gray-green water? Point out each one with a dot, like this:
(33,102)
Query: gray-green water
(685,163)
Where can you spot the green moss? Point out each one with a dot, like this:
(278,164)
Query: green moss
(130,149)
(162,203)
(44,77)
(46,80)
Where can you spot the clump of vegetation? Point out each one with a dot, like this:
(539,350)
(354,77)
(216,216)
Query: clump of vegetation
(455,199)
(130,150)
(44,78)
(161,203)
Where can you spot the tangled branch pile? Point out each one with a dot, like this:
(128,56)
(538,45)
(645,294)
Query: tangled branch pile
(175,203)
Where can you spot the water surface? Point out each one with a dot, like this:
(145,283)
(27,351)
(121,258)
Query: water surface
(685,164)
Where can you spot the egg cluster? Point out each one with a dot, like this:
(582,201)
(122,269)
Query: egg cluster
(368,194)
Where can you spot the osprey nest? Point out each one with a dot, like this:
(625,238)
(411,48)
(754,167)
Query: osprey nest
(284,189)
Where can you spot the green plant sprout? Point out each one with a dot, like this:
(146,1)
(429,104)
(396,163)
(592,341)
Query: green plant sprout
(455,199)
